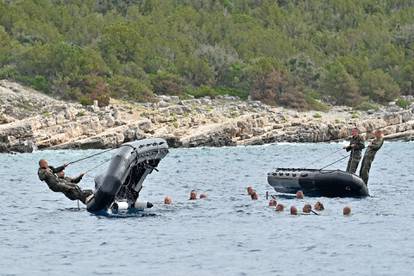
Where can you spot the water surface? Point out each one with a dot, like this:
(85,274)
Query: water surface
(42,232)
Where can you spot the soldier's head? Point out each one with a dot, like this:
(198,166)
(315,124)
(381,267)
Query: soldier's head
(43,164)
(280,207)
(61,174)
(167,200)
(378,134)
(250,190)
(355,132)
(319,206)
(346,211)
(307,208)
(299,195)
(293,210)
(193,195)
(272,202)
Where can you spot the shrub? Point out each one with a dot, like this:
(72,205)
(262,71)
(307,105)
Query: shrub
(128,88)
(365,106)
(403,103)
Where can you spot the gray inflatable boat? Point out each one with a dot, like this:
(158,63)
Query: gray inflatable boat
(122,182)
(313,182)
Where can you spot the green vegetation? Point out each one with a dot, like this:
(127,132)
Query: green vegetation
(317,115)
(300,54)
(403,103)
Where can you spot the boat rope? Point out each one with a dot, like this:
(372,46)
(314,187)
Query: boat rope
(90,156)
(346,156)
(99,153)
(97,166)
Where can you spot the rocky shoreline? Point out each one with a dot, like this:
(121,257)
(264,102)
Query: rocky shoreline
(30,120)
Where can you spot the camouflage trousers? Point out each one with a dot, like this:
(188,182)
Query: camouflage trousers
(353,163)
(365,167)
(78,194)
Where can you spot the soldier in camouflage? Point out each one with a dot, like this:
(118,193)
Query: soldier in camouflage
(72,191)
(369,155)
(355,146)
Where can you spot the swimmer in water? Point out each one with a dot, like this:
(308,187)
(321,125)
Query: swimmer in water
(346,211)
(318,206)
(293,211)
(307,208)
(167,200)
(272,203)
(193,195)
(280,208)
(299,195)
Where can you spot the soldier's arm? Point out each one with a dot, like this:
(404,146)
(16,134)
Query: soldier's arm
(359,145)
(376,144)
(77,179)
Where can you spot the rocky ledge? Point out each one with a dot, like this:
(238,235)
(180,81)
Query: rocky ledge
(31,120)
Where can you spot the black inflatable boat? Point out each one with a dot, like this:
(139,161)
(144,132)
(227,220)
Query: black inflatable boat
(121,184)
(313,182)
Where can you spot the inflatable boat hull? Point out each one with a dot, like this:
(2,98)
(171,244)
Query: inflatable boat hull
(127,170)
(328,183)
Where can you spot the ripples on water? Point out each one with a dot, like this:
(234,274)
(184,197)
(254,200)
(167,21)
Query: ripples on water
(43,233)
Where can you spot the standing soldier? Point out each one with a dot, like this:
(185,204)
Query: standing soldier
(355,146)
(369,155)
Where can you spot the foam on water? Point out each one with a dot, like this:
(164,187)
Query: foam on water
(42,232)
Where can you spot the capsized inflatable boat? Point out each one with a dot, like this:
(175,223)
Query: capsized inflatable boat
(120,185)
(313,182)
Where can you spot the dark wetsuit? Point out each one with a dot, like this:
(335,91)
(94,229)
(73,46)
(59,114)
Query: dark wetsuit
(369,156)
(356,151)
(56,184)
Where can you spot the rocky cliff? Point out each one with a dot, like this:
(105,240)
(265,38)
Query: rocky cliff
(31,120)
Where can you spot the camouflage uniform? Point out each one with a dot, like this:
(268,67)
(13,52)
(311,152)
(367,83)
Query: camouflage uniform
(356,151)
(56,184)
(369,156)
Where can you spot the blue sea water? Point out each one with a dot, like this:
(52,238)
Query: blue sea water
(43,233)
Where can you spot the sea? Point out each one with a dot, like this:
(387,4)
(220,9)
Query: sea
(44,233)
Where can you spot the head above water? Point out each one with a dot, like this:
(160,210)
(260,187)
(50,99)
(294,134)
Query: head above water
(193,195)
(250,190)
(167,200)
(355,132)
(272,202)
(293,210)
(299,195)
(280,208)
(307,208)
(318,206)
(346,211)
(43,163)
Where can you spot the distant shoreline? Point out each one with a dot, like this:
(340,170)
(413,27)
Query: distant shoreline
(31,120)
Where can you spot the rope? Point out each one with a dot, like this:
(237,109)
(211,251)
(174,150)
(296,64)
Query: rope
(99,153)
(90,156)
(346,156)
(97,166)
